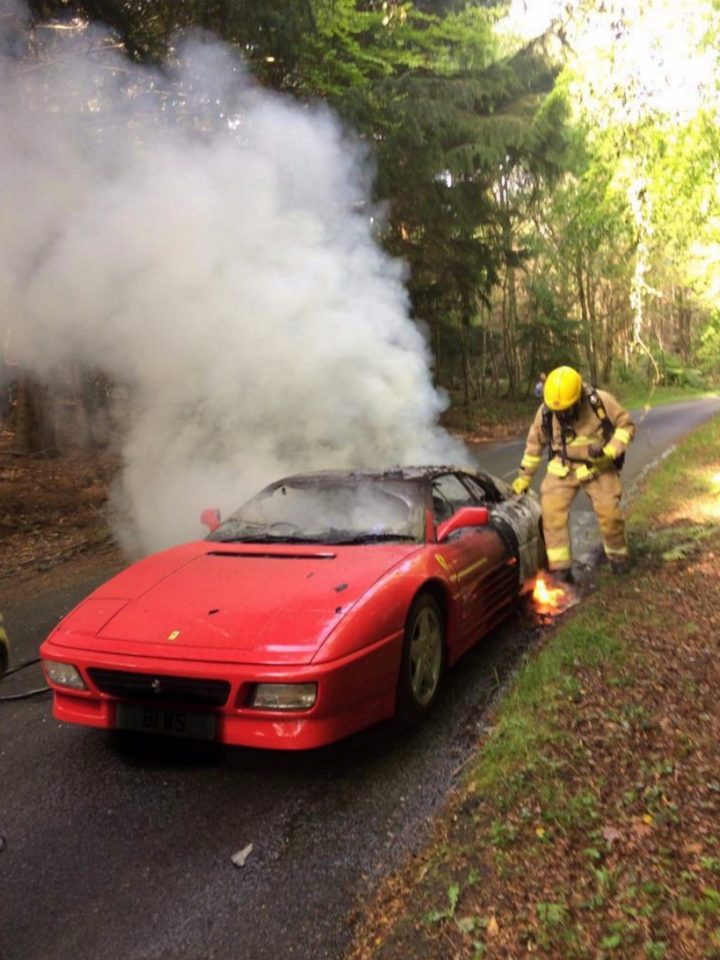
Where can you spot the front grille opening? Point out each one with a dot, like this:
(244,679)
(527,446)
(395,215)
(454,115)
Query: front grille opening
(159,688)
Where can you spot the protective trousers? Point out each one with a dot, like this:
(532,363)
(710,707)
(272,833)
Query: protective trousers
(556,498)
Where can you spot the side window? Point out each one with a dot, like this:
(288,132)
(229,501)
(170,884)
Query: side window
(449,494)
(478,492)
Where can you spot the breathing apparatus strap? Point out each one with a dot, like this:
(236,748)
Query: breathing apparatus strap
(599,410)
(605,422)
(547,416)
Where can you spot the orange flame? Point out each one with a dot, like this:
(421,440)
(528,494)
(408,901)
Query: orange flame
(548,599)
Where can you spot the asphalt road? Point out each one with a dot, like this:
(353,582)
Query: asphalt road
(122,850)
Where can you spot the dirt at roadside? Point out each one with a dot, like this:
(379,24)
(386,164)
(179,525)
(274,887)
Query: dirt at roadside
(51,510)
(477,427)
(608,844)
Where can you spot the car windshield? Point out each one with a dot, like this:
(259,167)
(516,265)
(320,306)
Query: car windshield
(356,510)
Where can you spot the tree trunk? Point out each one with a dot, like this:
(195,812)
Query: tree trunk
(684,316)
(468,379)
(438,378)
(496,372)
(465,369)
(592,328)
(483,360)
(586,331)
(34,429)
(532,372)
(508,332)
(514,371)
(93,410)
(509,308)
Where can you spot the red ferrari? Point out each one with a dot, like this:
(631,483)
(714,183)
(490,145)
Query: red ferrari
(328,602)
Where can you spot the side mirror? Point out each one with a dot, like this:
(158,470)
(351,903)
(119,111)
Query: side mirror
(211,518)
(464,517)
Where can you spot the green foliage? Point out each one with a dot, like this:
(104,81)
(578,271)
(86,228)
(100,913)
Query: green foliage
(673,371)
(545,217)
(441,136)
(515,749)
(708,351)
(552,914)
(672,475)
(436,916)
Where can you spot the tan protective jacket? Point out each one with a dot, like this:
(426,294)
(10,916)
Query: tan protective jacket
(585,431)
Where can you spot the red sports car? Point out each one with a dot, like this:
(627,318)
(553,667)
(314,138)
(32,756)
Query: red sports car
(328,602)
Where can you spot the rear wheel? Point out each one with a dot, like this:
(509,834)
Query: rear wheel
(423,658)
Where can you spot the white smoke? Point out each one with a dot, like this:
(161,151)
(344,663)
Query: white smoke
(209,245)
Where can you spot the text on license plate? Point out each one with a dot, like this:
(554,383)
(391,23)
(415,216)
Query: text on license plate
(169,723)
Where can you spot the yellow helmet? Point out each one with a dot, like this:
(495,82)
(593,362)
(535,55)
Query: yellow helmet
(563,388)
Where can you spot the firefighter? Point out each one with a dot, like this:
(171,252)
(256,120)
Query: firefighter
(586,432)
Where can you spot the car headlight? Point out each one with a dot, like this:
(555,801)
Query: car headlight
(64,675)
(283,696)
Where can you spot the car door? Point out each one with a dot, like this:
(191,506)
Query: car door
(473,556)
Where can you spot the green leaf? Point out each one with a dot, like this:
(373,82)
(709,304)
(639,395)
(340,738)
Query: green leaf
(611,941)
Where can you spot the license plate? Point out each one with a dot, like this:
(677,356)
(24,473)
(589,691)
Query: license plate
(168,723)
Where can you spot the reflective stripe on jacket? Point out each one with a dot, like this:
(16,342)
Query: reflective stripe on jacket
(586,431)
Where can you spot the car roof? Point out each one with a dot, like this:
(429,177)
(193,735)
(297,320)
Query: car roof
(408,474)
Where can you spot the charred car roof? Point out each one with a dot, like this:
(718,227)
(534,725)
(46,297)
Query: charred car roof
(407,474)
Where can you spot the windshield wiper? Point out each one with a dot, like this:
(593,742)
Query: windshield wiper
(373,538)
(267,538)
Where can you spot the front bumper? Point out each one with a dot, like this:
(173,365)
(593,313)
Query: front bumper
(352,693)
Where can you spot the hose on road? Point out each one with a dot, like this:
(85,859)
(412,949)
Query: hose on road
(28,693)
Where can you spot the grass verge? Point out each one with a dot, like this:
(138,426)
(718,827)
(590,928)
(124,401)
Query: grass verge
(589,824)
(634,395)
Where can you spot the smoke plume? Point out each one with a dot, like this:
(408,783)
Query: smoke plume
(209,246)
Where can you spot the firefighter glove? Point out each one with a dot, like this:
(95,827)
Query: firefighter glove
(520,484)
(595,451)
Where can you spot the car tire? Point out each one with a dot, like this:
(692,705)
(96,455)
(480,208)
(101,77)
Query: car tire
(423,659)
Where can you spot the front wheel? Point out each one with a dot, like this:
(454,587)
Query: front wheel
(423,658)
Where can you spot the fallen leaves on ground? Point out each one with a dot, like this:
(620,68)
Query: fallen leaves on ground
(616,854)
(51,509)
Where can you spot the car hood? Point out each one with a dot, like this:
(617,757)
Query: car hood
(243,603)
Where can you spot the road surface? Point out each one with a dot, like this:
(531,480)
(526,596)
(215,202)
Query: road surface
(124,852)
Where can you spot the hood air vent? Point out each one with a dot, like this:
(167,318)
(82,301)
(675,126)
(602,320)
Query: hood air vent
(270,555)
